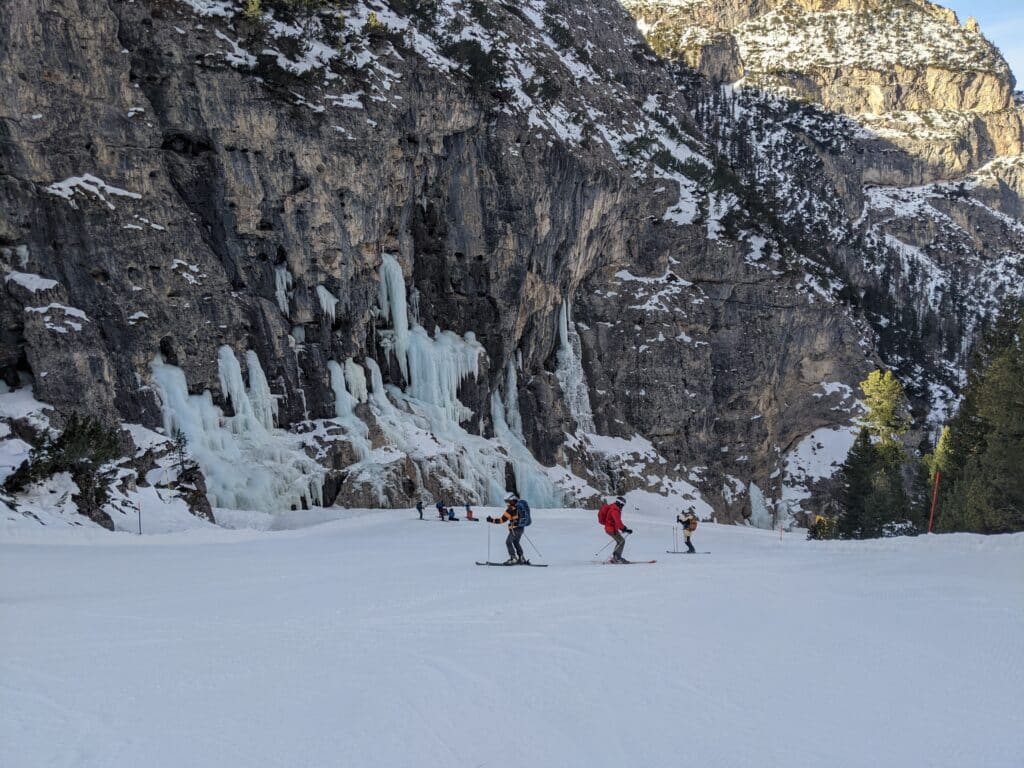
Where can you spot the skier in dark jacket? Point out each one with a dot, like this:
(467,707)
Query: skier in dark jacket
(689,523)
(419,508)
(442,513)
(610,516)
(515,533)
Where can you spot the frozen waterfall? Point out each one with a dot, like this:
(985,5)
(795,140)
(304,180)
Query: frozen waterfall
(394,309)
(247,464)
(569,372)
(424,420)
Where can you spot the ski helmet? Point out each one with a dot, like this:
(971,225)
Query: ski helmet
(620,501)
(511,497)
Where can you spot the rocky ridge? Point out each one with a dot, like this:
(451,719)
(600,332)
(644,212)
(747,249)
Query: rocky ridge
(906,70)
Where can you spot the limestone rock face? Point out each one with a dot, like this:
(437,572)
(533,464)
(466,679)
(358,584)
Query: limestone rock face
(907,71)
(664,286)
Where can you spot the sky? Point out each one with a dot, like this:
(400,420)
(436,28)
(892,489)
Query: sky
(1002,22)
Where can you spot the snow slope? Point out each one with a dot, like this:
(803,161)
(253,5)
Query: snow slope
(373,640)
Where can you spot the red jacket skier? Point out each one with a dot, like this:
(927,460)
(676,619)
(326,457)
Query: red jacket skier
(610,515)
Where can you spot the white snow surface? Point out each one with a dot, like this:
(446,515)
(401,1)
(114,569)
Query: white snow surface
(371,639)
(89,185)
(30,281)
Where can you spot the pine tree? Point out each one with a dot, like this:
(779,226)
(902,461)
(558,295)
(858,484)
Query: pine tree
(939,459)
(874,500)
(856,478)
(984,490)
(887,406)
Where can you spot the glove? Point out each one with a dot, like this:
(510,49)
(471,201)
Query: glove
(490,519)
(627,530)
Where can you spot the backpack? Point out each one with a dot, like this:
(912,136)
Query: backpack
(523,513)
(691,524)
(602,515)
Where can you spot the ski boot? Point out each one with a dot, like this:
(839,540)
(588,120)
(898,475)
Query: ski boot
(512,561)
(522,560)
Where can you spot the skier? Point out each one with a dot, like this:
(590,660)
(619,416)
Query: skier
(419,508)
(610,516)
(689,523)
(469,513)
(515,532)
(442,513)
(451,514)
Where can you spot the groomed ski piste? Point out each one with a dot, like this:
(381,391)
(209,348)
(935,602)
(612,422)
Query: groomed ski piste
(366,638)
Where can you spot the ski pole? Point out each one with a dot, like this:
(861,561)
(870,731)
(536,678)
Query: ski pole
(602,549)
(533,545)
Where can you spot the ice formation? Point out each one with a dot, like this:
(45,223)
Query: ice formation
(344,406)
(394,309)
(264,404)
(247,464)
(437,366)
(760,513)
(569,372)
(532,482)
(425,419)
(355,379)
(328,302)
(282,286)
(513,418)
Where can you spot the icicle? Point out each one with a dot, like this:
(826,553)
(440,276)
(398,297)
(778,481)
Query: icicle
(355,378)
(377,394)
(328,302)
(569,372)
(232,386)
(344,406)
(264,404)
(393,308)
(282,284)
(512,414)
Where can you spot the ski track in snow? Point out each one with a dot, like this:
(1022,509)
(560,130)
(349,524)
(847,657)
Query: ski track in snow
(375,641)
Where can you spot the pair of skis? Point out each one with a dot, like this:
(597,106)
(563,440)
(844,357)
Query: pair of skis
(513,565)
(544,565)
(684,552)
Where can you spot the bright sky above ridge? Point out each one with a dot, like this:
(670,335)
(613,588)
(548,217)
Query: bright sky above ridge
(1002,22)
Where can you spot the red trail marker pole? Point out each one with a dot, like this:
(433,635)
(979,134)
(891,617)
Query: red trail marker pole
(935,500)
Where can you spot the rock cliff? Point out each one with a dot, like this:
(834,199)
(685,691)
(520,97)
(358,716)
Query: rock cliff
(362,252)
